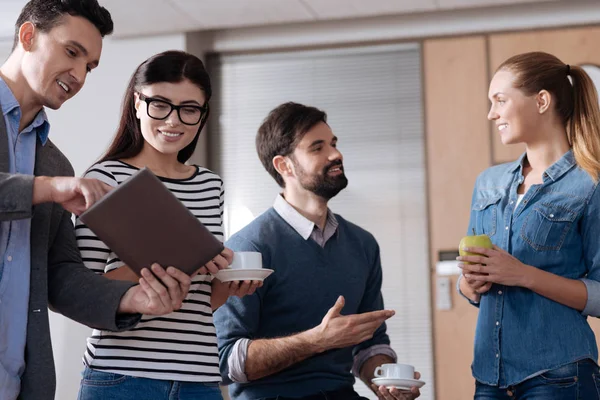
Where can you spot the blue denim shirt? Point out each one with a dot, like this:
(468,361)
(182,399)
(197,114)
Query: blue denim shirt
(14,248)
(556,228)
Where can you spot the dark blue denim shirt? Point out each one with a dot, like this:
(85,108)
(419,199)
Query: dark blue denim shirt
(556,228)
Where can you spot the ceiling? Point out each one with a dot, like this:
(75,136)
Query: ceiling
(148,17)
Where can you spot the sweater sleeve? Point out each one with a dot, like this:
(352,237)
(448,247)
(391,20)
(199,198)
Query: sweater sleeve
(16,196)
(371,301)
(77,293)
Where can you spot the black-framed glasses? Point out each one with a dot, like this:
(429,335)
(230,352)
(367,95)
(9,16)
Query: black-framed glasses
(161,109)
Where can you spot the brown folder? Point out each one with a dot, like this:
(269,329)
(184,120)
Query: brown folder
(144,223)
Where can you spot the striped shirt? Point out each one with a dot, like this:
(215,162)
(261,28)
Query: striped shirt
(181,346)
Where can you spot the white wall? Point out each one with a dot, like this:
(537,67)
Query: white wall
(5,46)
(82,129)
(198,44)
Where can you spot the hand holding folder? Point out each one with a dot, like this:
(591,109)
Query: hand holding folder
(144,223)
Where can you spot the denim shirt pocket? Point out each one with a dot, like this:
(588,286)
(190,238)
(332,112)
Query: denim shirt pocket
(546,226)
(485,211)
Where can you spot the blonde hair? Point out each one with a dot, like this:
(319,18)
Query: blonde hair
(576,101)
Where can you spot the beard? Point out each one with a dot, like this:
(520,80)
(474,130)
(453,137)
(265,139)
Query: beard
(322,185)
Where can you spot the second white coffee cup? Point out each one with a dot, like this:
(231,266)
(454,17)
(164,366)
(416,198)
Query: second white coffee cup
(246,260)
(396,371)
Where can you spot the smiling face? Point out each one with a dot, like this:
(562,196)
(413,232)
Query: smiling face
(56,63)
(318,164)
(516,116)
(169,135)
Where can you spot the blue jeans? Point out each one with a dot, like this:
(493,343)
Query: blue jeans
(98,385)
(576,381)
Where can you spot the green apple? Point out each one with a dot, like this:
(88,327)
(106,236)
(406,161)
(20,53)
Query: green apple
(474,241)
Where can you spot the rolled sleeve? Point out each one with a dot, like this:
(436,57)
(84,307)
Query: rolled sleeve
(591,254)
(237,361)
(362,356)
(592,306)
(473,303)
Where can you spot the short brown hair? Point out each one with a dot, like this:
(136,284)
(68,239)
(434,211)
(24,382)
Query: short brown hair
(282,130)
(46,14)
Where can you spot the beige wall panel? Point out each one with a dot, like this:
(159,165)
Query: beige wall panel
(458,149)
(573,46)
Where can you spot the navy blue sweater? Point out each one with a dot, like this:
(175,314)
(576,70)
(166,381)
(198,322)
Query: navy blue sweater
(306,283)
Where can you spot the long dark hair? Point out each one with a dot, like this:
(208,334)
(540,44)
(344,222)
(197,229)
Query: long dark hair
(170,66)
(576,101)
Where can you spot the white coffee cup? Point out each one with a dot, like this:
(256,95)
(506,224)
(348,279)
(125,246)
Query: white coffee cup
(246,260)
(395,371)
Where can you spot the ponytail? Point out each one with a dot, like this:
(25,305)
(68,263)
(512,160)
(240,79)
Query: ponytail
(584,126)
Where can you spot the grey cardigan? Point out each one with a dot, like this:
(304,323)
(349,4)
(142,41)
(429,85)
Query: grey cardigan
(58,276)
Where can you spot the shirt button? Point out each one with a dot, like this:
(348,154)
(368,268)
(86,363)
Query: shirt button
(511,202)
(9,258)
(506,227)
(497,355)
(499,291)
(497,323)
(551,215)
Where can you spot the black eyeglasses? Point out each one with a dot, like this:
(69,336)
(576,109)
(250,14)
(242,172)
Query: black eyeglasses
(161,109)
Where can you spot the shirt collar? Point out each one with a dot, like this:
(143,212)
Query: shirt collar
(519,163)
(10,104)
(297,221)
(559,168)
(556,170)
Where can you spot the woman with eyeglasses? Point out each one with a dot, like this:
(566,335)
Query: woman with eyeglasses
(165,107)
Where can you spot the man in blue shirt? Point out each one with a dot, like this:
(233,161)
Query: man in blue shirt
(57,43)
(290,340)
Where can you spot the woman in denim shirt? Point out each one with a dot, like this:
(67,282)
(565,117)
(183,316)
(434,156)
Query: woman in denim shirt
(541,280)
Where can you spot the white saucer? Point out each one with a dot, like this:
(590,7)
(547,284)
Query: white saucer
(228,275)
(404,384)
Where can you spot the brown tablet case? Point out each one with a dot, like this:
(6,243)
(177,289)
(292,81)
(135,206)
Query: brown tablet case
(144,223)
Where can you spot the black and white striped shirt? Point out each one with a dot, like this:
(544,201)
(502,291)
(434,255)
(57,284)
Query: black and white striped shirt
(181,346)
